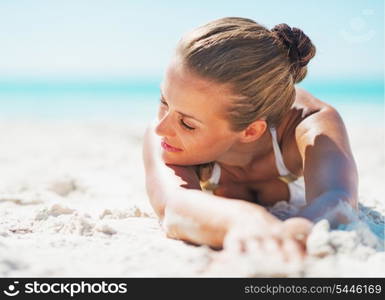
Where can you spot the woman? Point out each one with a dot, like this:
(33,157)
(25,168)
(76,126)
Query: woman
(233,124)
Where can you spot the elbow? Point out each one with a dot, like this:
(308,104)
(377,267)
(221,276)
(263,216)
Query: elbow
(156,198)
(177,224)
(168,223)
(348,199)
(162,211)
(344,211)
(163,205)
(337,206)
(158,195)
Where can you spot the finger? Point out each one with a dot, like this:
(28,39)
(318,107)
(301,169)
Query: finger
(272,248)
(272,245)
(294,251)
(253,246)
(298,229)
(233,245)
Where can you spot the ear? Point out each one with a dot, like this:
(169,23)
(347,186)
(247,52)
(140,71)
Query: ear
(254,131)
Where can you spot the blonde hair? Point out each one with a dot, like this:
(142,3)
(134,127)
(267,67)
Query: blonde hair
(260,65)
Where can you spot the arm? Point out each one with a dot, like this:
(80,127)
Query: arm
(333,206)
(186,212)
(161,179)
(330,171)
(205,219)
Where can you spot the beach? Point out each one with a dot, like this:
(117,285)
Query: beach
(80,81)
(73,204)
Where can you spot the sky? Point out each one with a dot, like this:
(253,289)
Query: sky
(112,39)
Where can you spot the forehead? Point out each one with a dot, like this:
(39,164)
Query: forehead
(194,95)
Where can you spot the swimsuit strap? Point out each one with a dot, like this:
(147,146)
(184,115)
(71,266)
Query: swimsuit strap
(216,174)
(285,175)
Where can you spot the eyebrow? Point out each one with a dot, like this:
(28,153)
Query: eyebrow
(183,114)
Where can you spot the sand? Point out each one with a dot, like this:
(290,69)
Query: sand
(73,204)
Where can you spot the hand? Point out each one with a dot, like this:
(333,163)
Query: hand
(270,238)
(298,229)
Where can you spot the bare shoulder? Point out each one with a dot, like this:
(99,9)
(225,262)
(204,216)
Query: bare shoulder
(321,126)
(308,102)
(322,142)
(315,115)
(306,108)
(308,118)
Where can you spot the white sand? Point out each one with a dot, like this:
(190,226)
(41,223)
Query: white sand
(73,203)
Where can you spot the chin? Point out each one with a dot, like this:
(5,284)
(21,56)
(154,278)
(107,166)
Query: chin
(174,158)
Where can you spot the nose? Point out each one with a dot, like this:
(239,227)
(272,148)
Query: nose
(164,128)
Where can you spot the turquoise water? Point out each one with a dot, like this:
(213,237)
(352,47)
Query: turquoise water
(357,101)
(79,100)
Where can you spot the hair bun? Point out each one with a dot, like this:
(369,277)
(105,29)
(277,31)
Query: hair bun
(301,49)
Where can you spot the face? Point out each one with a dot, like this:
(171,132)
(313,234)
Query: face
(191,118)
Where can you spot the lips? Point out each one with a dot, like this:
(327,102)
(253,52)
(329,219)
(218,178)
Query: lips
(168,147)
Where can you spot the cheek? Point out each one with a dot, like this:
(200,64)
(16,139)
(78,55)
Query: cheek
(209,148)
(199,148)
(218,146)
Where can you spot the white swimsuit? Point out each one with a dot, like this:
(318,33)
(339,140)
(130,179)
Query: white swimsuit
(296,184)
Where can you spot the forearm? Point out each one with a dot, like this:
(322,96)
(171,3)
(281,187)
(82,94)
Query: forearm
(335,206)
(163,179)
(203,218)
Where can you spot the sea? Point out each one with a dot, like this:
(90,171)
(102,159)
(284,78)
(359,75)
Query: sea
(358,101)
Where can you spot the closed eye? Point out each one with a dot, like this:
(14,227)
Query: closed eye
(185,125)
(181,120)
